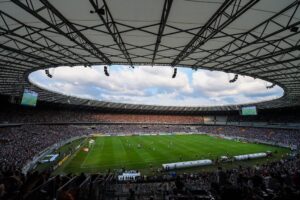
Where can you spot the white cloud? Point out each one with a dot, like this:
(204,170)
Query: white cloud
(154,85)
(244,90)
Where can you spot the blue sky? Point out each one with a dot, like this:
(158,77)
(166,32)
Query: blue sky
(154,85)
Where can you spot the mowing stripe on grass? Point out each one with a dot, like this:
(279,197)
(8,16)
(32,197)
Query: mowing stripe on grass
(137,152)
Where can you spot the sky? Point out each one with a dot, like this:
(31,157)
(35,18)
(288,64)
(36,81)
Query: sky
(155,86)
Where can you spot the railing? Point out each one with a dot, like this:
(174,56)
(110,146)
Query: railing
(38,192)
(32,163)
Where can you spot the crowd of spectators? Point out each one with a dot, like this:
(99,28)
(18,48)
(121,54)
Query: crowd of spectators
(275,180)
(32,115)
(60,116)
(268,118)
(272,181)
(22,143)
(19,144)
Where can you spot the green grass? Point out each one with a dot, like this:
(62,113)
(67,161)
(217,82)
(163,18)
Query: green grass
(116,152)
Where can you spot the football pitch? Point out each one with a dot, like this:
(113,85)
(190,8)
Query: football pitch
(148,152)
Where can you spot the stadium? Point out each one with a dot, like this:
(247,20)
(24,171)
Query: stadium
(161,99)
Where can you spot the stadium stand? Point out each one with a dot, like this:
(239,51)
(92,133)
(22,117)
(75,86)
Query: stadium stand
(28,140)
(256,38)
(26,132)
(20,144)
(28,116)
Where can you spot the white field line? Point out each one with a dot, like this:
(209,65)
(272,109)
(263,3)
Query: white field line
(90,151)
(86,156)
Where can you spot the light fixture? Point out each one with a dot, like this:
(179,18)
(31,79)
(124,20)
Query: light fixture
(271,86)
(234,79)
(100,11)
(48,73)
(294,29)
(105,71)
(174,73)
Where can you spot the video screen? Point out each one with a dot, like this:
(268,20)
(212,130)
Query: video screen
(249,110)
(29,98)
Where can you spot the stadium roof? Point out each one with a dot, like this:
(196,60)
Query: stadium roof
(258,38)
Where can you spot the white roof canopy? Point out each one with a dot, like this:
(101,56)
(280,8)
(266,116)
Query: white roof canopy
(258,38)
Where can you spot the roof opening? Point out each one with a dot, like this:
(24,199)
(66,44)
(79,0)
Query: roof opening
(155,85)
